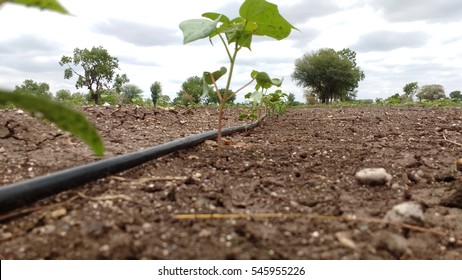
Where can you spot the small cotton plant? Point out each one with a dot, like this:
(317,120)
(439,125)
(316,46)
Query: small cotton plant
(256,18)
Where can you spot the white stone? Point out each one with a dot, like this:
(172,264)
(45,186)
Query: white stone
(407,212)
(373,176)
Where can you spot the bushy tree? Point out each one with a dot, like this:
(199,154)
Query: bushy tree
(291,99)
(329,74)
(156,92)
(431,92)
(39,89)
(310,97)
(63,95)
(98,70)
(191,92)
(130,93)
(456,95)
(410,90)
(164,100)
(394,99)
(212,97)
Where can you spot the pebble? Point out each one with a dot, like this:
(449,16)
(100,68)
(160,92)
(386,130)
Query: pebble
(2,150)
(407,212)
(58,213)
(459,164)
(410,161)
(373,176)
(392,243)
(210,143)
(454,200)
(345,240)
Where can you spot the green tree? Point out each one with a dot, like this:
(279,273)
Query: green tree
(329,74)
(164,100)
(156,92)
(394,99)
(291,99)
(39,89)
(119,82)
(63,95)
(431,92)
(130,93)
(191,92)
(212,97)
(456,95)
(98,70)
(410,90)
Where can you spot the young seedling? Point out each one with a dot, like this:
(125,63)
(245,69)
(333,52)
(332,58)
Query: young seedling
(257,18)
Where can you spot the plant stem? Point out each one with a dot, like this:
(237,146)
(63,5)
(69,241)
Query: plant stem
(225,96)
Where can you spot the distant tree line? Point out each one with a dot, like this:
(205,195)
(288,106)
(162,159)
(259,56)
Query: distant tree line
(412,92)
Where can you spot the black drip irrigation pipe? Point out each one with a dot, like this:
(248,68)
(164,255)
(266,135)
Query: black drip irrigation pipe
(19,194)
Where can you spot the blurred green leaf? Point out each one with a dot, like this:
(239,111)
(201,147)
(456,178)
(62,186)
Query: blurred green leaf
(216,75)
(62,116)
(195,29)
(51,5)
(264,80)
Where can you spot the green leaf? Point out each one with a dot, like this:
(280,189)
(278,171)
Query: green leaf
(214,16)
(216,75)
(52,5)
(243,116)
(264,80)
(256,96)
(205,88)
(267,17)
(195,29)
(62,116)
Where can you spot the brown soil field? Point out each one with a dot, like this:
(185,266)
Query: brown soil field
(285,190)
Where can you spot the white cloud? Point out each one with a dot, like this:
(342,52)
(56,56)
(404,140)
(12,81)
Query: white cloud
(386,40)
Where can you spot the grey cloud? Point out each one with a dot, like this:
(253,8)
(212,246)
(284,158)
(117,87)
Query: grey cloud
(29,54)
(137,61)
(27,44)
(303,37)
(411,10)
(230,9)
(382,41)
(29,64)
(139,34)
(306,10)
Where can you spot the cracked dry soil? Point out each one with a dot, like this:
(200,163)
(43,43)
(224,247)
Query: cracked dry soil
(300,168)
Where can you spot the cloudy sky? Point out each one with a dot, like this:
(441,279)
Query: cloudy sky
(397,41)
